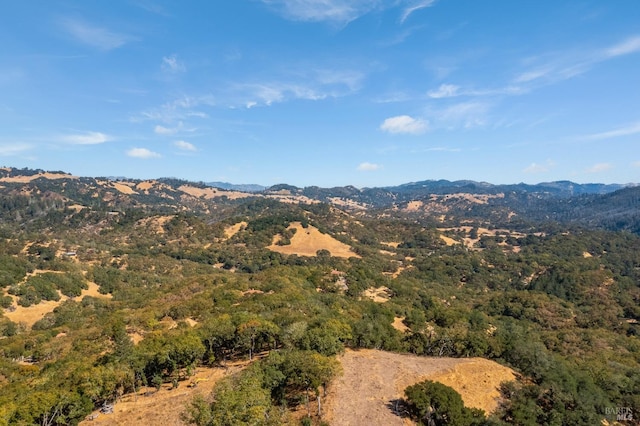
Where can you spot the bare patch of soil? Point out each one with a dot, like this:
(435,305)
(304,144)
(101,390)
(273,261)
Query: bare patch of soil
(373,380)
(307,241)
(393,244)
(378,295)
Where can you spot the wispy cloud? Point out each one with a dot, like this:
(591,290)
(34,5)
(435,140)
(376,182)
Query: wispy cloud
(536,168)
(313,85)
(87,138)
(333,11)
(171,64)
(466,114)
(533,74)
(178,128)
(342,12)
(151,6)
(143,153)
(16,148)
(452,90)
(94,35)
(630,45)
(599,168)
(622,131)
(558,66)
(185,146)
(404,124)
(174,111)
(414,7)
(444,91)
(636,164)
(162,130)
(443,149)
(368,167)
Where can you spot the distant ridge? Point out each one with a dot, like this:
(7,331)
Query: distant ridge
(244,187)
(594,205)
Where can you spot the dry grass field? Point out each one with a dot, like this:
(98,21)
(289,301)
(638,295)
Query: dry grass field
(307,241)
(232,230)
(34,313)
(373,380)
(163,407)
(27,179)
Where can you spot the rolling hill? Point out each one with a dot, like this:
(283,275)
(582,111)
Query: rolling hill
(131,292)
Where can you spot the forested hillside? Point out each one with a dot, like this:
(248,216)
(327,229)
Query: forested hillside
(113,286)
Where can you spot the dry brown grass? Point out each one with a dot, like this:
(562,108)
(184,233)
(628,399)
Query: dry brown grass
(124,188)
(210,193)
(232,230)
(414,206)
(393,244)
(77,207)
(34,313)
(399,325)
(449,241)
(162,407)
(307,241)
(347,203)
(470,242)
(27,179)
(146,185)
(372,379)
(378,295)
(156,223)
(292,199)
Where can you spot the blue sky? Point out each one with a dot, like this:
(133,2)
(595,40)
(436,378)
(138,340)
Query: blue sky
(323,92)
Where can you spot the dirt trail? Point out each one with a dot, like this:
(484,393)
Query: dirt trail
(373,380)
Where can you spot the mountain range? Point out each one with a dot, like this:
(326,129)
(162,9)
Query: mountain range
(595,205)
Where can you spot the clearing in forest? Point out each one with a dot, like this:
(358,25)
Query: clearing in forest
(30,315)
(373,380)
(307,241)
(210,193)
(378,294)
(232,230)
(163,407)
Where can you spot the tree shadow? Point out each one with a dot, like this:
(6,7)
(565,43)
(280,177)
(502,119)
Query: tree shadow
(399,408)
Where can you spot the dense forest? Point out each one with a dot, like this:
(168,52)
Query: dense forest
(555,296)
